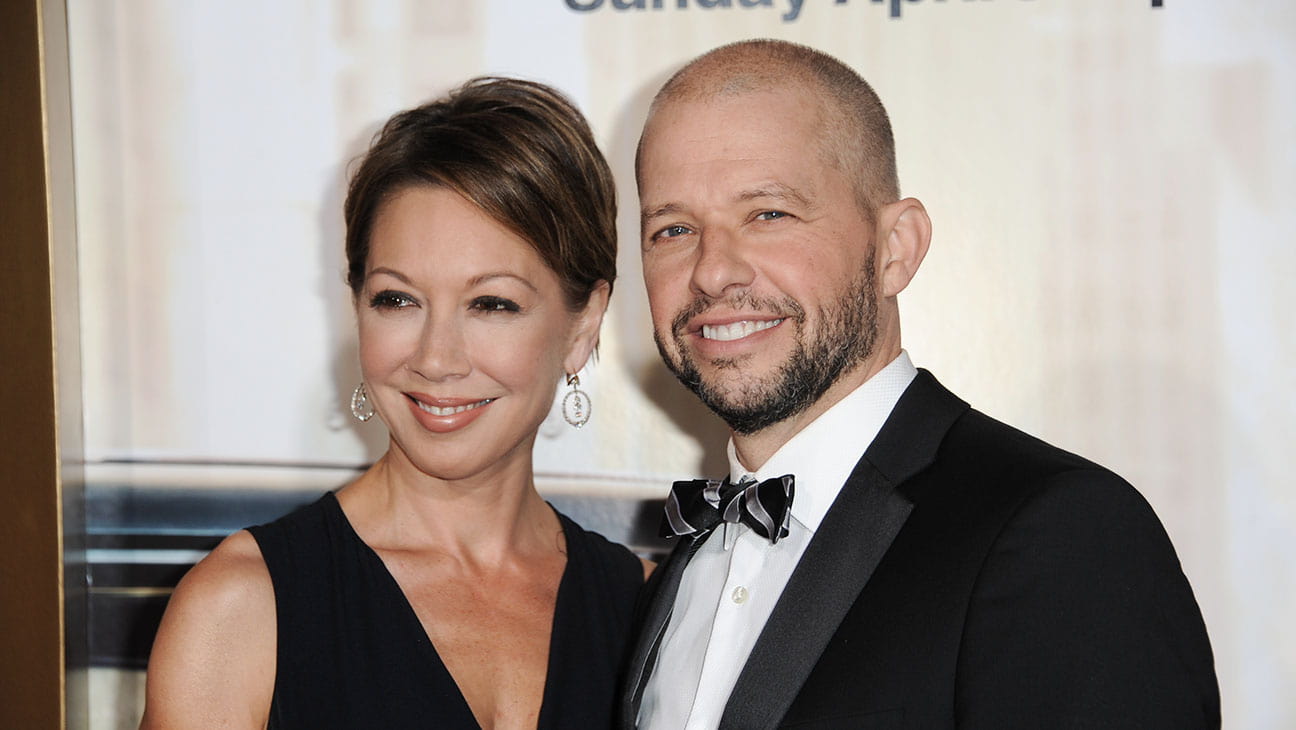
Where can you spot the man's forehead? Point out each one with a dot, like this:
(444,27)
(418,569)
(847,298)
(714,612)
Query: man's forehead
(731,126)
(802,97)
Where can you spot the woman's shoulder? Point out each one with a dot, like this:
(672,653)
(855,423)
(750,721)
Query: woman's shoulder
(229,576)
(308,521)
(213,660)
(610,556)
(229,590)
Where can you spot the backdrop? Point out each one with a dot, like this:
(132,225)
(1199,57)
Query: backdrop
(1110,183)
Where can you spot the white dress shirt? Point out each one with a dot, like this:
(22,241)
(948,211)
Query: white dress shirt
(733,581)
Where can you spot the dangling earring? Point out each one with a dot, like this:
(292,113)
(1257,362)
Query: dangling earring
(576,404)
(361,408)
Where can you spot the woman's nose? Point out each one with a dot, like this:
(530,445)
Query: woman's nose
(441,351)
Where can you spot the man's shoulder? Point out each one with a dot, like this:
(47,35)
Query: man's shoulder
(954,435)
(989,480)
(964,470)
(963,455)
(984,465)
(992,443)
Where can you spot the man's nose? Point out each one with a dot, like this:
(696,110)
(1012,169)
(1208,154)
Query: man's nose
(721,264)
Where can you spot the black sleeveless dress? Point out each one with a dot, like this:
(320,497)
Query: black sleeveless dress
(352,653)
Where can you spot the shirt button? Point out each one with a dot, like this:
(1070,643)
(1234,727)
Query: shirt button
(739,594)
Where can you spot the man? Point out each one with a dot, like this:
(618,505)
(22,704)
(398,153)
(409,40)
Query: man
(937,569)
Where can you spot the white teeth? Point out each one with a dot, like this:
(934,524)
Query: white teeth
(736,330)
(450,411)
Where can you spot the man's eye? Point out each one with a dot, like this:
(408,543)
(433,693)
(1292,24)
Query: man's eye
(672,232)
(771,215)
(389,299)
(494,304)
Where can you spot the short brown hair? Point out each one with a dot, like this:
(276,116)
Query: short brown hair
(520,151)
(857,131)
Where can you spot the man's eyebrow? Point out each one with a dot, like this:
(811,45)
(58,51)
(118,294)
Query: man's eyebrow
(646,215)
(770,191)
(776,191)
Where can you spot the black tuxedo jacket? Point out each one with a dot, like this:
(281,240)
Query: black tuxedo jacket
(969,576)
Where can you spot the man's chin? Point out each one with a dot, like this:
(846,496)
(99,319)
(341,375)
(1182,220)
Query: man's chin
(738,404)
(743,417)
(731,388)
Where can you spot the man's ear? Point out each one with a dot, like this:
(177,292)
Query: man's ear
(904,235)
(585,332)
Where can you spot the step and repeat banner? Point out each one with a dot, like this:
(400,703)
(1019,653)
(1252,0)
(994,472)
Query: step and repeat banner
(1110,183)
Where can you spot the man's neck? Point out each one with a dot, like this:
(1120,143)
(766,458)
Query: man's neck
(754,449)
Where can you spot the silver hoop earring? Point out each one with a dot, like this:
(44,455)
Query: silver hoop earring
(361,408)
(576,404)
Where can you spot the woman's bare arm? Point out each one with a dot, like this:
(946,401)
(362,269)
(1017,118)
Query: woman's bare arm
(213,661)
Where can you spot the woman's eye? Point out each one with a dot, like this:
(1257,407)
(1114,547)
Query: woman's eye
(494,304)
(389,299)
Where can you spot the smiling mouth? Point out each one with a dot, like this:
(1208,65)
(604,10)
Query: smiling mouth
(450,410)
(737,330)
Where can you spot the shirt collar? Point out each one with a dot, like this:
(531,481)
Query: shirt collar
(823,454)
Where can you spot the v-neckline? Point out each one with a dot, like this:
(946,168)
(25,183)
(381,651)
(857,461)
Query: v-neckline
(434,657)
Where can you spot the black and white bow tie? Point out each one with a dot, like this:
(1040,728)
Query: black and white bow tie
(696,506)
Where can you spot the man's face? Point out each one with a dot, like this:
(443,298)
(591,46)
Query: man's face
(756,255)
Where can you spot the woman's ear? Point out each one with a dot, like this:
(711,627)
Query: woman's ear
(904,234)
(585,330)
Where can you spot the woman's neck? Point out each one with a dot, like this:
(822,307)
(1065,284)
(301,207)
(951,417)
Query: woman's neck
(486,519)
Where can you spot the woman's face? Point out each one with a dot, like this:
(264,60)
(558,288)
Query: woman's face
(464,333)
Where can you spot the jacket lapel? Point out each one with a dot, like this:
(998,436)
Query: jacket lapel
(841,557)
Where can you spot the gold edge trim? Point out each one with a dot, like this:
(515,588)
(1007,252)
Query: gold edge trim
(59,532)
(53,57)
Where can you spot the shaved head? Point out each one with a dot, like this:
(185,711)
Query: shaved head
(856,133)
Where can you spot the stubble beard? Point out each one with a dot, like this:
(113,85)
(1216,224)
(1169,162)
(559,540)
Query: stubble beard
(847,334)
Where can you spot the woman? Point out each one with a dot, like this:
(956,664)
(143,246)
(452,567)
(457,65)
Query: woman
(438,589)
